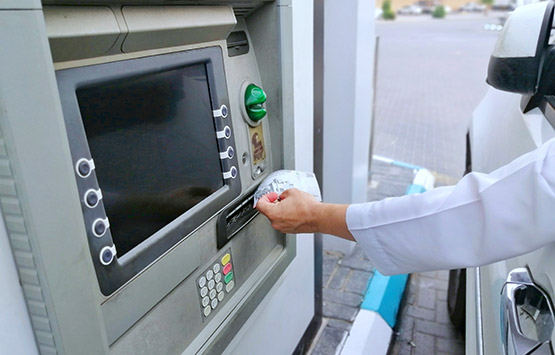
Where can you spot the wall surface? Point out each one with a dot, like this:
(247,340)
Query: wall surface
(349,41)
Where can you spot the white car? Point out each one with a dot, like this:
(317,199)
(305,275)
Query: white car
(472,7)
(509,304)
(410,10)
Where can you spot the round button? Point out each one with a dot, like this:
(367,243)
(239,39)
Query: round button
(207,310)
(224,111)
(214,303)
(212,294)
(227,132)
(221,296)
(99,227)
(83,168)
(211,284)
(205,301)
(203,291)
(209,274)
(216,268)
(106,255)
(233,172)
(218,277)
(202,282)
(219,287)
(91,198)
(230,152)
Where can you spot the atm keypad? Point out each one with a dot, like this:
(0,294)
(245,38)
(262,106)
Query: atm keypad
(214,283)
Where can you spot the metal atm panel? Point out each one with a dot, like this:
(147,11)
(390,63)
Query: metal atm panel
(83,295)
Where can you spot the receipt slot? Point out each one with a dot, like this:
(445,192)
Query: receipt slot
(133,138)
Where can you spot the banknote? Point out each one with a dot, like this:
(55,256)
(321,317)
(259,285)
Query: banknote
(282,180)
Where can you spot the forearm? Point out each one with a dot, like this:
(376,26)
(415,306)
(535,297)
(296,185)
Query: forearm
(483,219)
(331,219)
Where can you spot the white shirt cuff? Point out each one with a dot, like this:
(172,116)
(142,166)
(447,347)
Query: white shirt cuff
(359,223)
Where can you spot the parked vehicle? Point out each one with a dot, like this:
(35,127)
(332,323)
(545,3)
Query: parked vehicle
(509,304)
(410,10)
(431,9)
(472,7)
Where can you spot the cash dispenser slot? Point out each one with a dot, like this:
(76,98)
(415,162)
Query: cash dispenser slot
(234,219)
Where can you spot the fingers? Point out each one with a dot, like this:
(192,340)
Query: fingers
(266,202)
(272,197)
(287,193)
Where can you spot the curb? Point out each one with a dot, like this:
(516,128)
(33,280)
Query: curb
(373,326)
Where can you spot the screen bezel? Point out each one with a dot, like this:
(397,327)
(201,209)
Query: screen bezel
(111,277)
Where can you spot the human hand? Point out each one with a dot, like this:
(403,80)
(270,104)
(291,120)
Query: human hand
(294,211)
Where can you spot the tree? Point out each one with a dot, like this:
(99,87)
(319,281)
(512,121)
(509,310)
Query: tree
(388,14)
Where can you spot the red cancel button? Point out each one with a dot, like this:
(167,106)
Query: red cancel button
(227,268)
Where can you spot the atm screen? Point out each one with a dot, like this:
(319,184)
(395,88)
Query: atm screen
(154,147)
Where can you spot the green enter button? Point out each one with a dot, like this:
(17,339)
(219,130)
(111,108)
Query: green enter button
(228,277)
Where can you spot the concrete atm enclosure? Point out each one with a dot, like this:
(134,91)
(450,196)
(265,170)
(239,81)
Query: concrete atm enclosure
(82,128)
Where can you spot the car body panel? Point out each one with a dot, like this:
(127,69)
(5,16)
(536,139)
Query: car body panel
(499,133)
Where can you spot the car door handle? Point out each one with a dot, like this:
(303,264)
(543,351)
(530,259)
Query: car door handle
(527,319)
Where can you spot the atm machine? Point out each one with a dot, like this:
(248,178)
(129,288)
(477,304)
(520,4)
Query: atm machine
(133,135)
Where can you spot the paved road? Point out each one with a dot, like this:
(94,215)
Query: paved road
(431,76)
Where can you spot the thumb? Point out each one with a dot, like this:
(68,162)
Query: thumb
(266,202)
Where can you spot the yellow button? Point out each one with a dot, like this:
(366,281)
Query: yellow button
(225,259)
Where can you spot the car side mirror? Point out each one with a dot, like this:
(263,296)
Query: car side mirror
(522,60)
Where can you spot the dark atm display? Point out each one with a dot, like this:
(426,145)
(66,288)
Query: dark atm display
(153,149)
(153,144)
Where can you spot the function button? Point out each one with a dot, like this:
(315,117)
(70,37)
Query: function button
(211,284)
(203,291)
(219,287)
(227,269)
(107,255)
(226,258)
(221,296)
(218,277)
(225,133)
(205,301)
(214,303)
(229,286)
(209,275)
(92,197)
(202,281)
(206,311)
(228,278)
(216,268)
(212,294)
(84,167)
(228,154)
(100,226)
(231,174)
(221,112)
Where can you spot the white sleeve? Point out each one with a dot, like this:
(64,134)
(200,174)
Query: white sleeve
(483,219)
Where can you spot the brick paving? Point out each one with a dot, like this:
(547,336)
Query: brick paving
(431,76)
(423,111)
(424,326)
(345,280)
